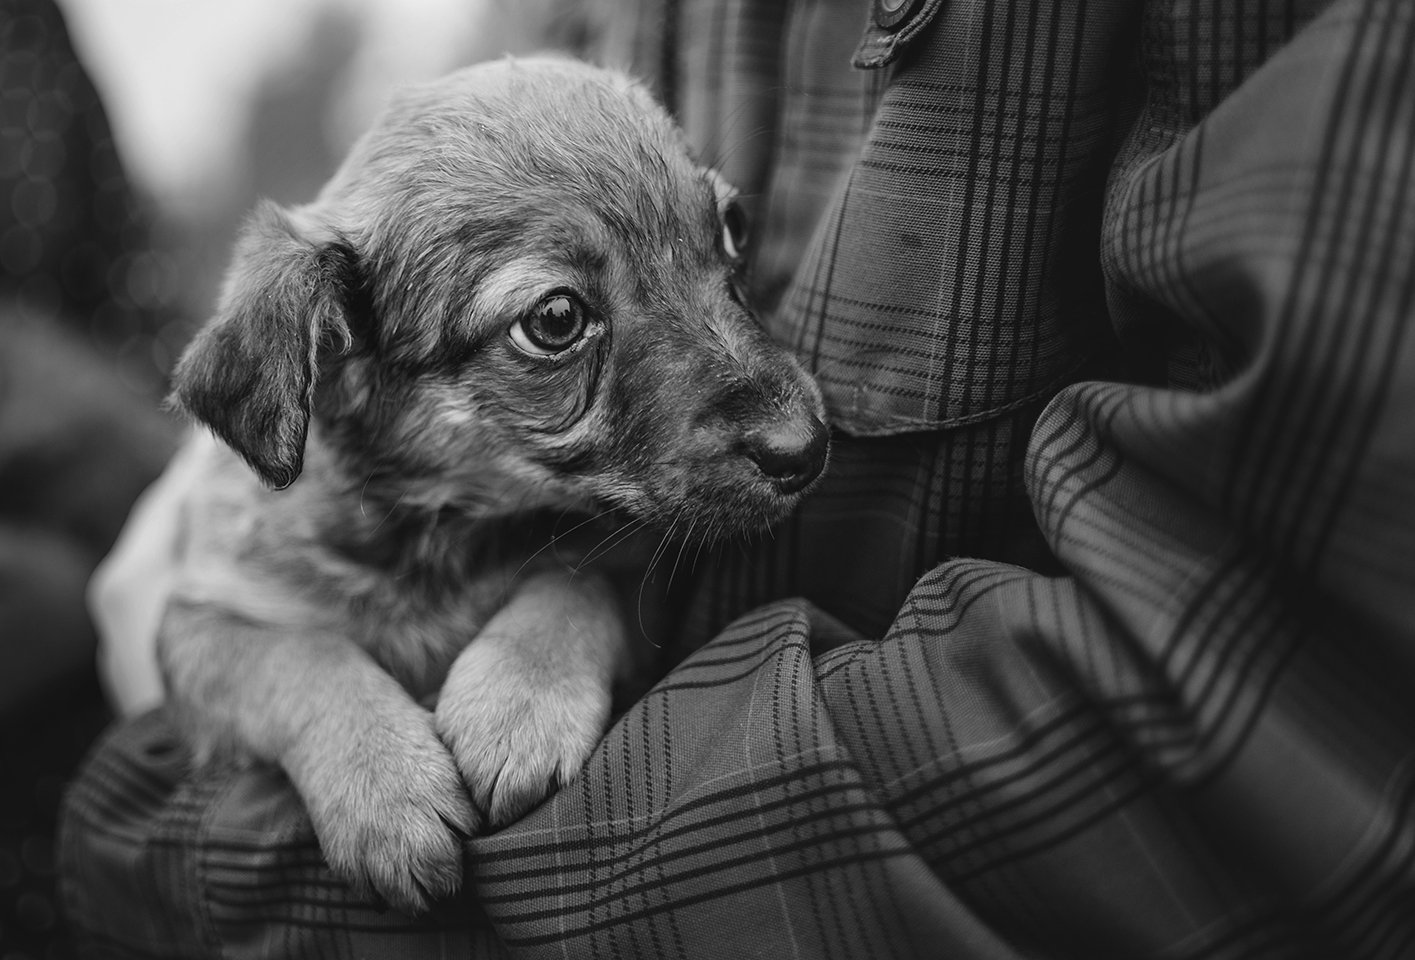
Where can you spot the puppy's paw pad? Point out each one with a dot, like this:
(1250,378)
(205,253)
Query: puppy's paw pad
(511,776)
(514,743)
(394,819)
(410,857)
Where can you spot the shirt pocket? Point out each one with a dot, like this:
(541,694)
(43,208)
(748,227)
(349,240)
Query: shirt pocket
(955,273)
(892,25)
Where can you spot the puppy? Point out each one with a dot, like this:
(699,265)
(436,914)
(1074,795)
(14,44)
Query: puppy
(516,301)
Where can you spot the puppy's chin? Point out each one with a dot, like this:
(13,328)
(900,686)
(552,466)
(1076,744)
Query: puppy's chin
(716,502)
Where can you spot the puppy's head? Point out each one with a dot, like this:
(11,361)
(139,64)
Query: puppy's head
(520,291)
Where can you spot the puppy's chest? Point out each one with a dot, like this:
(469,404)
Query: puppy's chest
(416,604)
(415,631)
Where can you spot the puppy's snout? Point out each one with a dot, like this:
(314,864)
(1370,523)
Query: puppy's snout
(791,455)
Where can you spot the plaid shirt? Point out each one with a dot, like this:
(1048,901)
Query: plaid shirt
(1110,297)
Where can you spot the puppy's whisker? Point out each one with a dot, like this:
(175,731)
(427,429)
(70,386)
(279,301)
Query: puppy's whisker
(391,510)
(682,545)
(716,158)
(826,369)
(556,532)
(556,536)
(662,546)
(607,543)
(648,573)
(363,491)
(611,541)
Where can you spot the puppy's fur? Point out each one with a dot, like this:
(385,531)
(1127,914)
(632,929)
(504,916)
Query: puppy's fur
(409,347)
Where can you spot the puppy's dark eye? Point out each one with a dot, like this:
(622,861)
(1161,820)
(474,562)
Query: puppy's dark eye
(735,232)
(555,325)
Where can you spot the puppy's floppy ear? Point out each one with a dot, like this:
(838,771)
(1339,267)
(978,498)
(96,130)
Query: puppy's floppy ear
(250,373)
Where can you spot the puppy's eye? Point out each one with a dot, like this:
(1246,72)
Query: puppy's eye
(555,325)
(735,232)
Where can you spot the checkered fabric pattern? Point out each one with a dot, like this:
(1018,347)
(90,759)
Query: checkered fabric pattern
(1109,298)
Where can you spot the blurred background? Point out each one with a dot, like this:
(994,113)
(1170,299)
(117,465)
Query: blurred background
(134,136)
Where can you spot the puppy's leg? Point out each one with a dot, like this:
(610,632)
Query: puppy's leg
(382,791)
(528,699)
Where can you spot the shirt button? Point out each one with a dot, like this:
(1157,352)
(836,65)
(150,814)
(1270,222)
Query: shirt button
(892,14)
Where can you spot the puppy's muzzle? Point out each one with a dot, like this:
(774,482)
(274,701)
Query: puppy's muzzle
(789,454)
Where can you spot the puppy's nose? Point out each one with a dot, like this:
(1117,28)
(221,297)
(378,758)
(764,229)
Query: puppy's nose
(792,455)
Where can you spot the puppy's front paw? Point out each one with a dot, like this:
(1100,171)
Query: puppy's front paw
(390,810)
(517,729)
